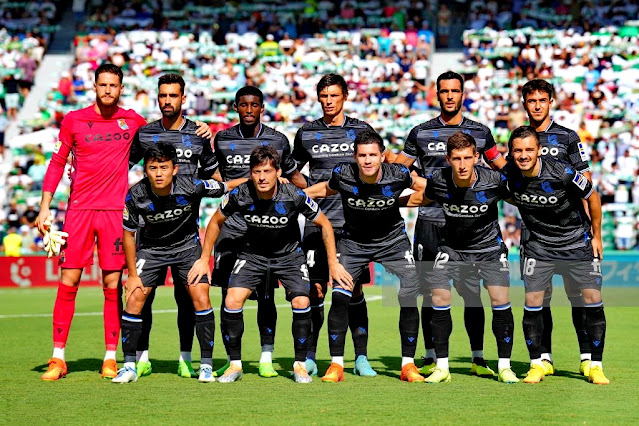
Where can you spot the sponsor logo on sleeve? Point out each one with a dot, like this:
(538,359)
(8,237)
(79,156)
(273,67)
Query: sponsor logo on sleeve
(58,145)
(580,180)
(311,204)
(211,184)
(582,152)
(125,213)
(225,201)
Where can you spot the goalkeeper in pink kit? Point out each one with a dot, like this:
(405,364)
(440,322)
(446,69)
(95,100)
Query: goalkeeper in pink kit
(100,139)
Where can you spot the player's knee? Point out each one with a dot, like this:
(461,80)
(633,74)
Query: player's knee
(201,301)
(233,303)
(135,303)
(441,297)
(111,279)
(300,302)
(534,299)
(591,296)
(318,291)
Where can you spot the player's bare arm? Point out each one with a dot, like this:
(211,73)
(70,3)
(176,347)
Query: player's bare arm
(134,282)
(233,183)
(298,179)
(416,199)
(404,159)
(201,266)
(594,207)
(319,190)
(45,202)
(336,270)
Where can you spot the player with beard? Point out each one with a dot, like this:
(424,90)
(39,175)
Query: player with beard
(563,240)
(195,159)
(559,143)
(427,143)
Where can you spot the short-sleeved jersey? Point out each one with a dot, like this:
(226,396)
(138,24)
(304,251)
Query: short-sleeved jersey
(100,148)
(324,147)
(371,210)
(550,203)
(427,143)
(194,153)
(233,150)
(272,227)
(561,143)
(471,213)
(171,221)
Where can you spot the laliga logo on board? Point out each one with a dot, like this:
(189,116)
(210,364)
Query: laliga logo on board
(20,273)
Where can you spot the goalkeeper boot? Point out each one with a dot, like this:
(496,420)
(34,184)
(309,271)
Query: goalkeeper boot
(126,375)
(363,367)
(535,375)
(109,369)
(232,374)
(57,369)
(596,376)
(185,369)
(428,366)
(584,368)
(506,375)
(480,368)
(439,376)
(334,374)
(300,373)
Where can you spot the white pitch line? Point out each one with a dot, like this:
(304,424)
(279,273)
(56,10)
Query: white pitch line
(160,311)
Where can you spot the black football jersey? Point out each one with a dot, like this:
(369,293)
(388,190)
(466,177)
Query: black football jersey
(372,210)
(550,203)
(170,223)
(272,226)
(471,213)
(561,143)
(427,143)
(324,147)
(194,154)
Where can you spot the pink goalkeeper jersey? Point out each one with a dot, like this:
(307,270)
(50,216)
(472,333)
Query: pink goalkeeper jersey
(100,148)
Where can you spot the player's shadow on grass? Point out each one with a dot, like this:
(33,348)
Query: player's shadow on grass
(519,367)
(84,364)
(391,366)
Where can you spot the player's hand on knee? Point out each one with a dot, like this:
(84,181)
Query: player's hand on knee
(133,284)
(199,269)
(339,275)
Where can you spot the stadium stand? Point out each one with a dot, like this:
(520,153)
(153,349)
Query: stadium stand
(589,52)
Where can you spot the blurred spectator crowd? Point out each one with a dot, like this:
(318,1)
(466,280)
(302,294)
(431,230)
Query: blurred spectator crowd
(589,51)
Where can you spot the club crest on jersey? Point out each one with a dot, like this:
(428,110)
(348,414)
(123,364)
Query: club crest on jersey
(122,124)
(387,191)
(481,196)
(546,186)
(435,134)
(58,145)
(351,134)
(552,140)
(280,207)
(186,140)
(181,200)
(318,136)
(580,180)
(156,138)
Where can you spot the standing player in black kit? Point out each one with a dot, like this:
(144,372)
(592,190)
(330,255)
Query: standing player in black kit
(427,143)
(471,249)
(233,148)
(563,240)
(559,143)
(323,144)
(374,231)
(195,159)
(271,251)
(169,205)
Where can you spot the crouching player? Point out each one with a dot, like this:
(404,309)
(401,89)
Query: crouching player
(471,248)
(169,206)
(373,232)
(272,251)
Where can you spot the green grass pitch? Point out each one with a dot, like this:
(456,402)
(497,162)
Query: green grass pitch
(83,397)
